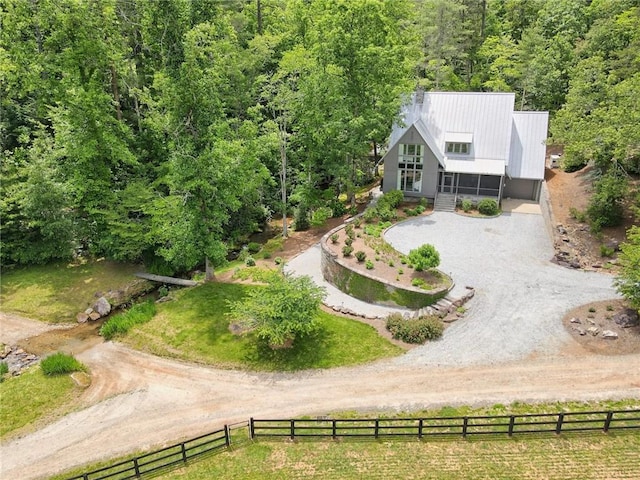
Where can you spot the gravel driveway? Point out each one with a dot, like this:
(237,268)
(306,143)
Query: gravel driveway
(520,298)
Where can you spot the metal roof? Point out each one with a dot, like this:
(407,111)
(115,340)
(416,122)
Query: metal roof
(499,136)
(528,147)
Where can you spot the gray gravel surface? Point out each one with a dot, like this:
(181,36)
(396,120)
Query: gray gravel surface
(520,298)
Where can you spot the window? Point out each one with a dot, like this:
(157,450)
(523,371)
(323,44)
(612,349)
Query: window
(458,148)
(410,161)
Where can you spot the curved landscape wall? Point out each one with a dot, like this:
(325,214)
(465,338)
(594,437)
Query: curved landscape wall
(369,288)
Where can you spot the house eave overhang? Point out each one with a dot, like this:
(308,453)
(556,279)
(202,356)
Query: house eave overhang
(476,166)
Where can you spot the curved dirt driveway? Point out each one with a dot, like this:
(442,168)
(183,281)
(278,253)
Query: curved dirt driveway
(510,347)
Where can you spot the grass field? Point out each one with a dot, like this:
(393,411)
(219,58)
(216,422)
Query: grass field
(33,398)
(57,292)
(195,327)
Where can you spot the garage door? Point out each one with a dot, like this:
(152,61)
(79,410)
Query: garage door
(522,189)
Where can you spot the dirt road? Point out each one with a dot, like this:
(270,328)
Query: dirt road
(137,401)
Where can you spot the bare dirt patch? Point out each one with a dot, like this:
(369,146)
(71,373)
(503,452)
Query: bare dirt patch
(599,315)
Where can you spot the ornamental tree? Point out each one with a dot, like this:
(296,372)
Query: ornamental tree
(287,307)
(424,257)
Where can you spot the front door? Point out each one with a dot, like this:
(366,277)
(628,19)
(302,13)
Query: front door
(447,182)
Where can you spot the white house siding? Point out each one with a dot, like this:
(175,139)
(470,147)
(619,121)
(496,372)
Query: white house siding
(527,152)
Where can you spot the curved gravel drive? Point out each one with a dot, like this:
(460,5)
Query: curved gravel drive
(520,298)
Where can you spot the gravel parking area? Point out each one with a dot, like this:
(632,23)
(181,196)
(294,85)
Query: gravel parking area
(521,296)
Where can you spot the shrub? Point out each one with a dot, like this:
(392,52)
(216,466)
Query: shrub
(418,282)
(254,247)
(419,209)
(360,255)
(121,323)
(606,205)
(163,291)
(386,214)
(424,257)
(400,271)
(352,210)
(347,250)
(467,205)
(369,265)
(337,208)
(348,241)
(4,369)
(60,364)
(410,212)
(320,216)
(370,214)
(391,199)
(266,255)
(357,222)
(278,260)
(414,330)
(391,264)
(488,206)
(424,202)
(606,251)
(250,262)
(334,238)
(301,218)
(578,215)
(349,231)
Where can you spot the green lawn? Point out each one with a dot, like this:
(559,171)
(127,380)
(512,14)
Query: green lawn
(33,397)
(195,327)
(57,292)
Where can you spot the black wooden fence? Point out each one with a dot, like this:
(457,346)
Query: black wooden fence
(557,423)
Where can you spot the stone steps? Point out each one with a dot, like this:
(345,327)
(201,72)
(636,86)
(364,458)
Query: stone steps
(445,202)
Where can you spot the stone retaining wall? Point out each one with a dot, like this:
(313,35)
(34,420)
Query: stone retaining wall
(369,288)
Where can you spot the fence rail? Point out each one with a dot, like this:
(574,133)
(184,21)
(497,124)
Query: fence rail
(565,422)
(557,423)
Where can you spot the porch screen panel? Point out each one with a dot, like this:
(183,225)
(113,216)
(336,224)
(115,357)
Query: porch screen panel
(489,185)
(468,184)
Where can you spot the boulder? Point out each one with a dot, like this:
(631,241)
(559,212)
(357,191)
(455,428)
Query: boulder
(93,316)
(626,318)
(609,335)
(593,331)
(102,306)
(89,311)
(82,317)
(581,331)
(575,320)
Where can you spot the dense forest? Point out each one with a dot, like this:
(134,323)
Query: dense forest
(167,131)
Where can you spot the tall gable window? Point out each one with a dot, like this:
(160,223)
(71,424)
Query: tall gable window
(458,148)
(410,162)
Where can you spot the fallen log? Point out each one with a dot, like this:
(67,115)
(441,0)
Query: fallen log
(162,279)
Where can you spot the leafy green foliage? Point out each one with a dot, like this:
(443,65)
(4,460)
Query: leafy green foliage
(121,323)
(488,206)
(467,205)
(347,250)
(60,364)
(4,369)
(285,309)
(414,330)
(369,265)
(606,207)
(628,280)
(320,216)
(424,257)
(360,256)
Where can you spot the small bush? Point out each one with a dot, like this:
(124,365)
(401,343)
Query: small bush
(609,308)
(386,214)
(320,216)
(60,364)
(163,291)
(250,262)
(4,369)
(424,257)
(278,260)
(369,265)
(301,218)
(391,199)
(606,251)
(592,309)
(419,209)
(349,231)
(370,214)
(424,202)
(347,250)
(357,222)
(337,208)
(467,205)
(418,282)
(577,215)
(254,247)
(334,238)
(391,264)
(266,255)
(403,260)
(414,330)
(409,212)
(400,271)
(348,241)
(352,210)
(121,323)
(488,206)
(360,255)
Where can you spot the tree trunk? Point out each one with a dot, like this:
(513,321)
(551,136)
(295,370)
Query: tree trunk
(283,180)
(116,92)
(210,275)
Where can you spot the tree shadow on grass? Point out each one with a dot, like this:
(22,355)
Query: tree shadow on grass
(309,351)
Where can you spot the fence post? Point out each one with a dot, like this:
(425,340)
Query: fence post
(333,429)
(607,422)
(184,452)
(252,432)
(559,423)
(420,429)
(293,429)
(227,437)
(136,468)
(465,424)
(512,423)
(376,428)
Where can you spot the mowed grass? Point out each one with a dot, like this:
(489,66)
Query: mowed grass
(195,327)
(57,292)
(598,456)
(33,397)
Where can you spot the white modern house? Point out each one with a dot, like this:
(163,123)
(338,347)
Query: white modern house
(456,145)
